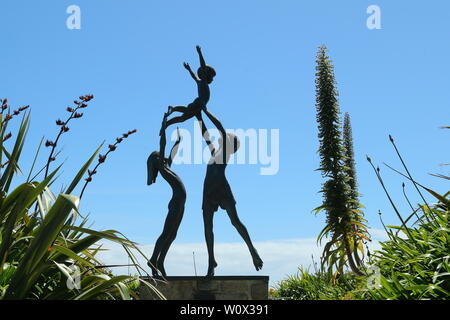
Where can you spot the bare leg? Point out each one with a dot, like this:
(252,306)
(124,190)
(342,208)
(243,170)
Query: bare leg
(209,237)
(152,263)
(165,248)
(163,243)
(162,257)
(232,214)
(182,118)
(186,114)
(181,109)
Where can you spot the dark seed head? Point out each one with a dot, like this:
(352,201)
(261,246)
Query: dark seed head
(6,137)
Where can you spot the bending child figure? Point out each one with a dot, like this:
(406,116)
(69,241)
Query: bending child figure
(158,163)
(217,193)
(204,77)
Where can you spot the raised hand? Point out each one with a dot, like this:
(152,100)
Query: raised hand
(202,60)
(164,120)
(186,66)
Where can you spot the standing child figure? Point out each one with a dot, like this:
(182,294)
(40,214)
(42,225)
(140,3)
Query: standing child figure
(203,78)
(157,163)
(217,193)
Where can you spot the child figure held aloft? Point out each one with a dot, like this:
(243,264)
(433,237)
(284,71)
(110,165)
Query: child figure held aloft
(204,77)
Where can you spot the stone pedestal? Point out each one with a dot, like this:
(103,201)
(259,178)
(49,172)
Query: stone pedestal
(202,288)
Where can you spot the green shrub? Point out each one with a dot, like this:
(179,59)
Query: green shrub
(316,286)
(416,265)
(413,263)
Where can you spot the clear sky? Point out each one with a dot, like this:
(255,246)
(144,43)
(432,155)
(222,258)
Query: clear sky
(129,54)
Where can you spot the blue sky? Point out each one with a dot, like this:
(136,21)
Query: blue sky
(129,54)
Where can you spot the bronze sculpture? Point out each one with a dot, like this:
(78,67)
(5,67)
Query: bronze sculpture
(216,189)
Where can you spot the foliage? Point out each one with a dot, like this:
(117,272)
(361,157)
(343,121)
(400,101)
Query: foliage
(41,242)
(414,262)
(316,286)
(416,265)
(345,225)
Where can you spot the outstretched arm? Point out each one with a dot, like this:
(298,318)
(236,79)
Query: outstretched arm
(205,134)
(188,68)
(222,131)
(200,55)
(216,122)
(162,141)
(174,150)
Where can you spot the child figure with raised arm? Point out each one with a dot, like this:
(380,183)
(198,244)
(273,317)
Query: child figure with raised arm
(158,163)
(217,193)
(204,77)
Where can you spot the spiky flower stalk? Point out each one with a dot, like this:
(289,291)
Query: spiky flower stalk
(332,166)
(102,158)
(349,160)
(73,114)
(352,182)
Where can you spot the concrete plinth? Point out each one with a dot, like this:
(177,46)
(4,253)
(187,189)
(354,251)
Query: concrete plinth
(202,288)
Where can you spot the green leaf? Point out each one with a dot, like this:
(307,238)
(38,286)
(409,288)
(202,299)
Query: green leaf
(39,247)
